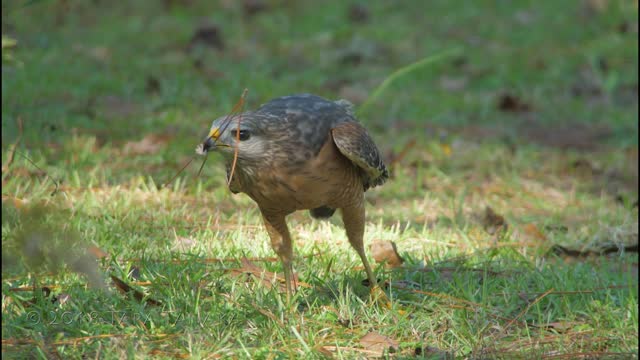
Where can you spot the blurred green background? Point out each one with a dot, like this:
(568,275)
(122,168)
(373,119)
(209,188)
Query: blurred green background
(521,142)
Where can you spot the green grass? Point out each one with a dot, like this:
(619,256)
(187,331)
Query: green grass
(563,173)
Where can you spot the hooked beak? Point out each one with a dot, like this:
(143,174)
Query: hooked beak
(210,142)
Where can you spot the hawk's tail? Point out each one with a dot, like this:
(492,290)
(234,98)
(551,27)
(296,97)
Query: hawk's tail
(323,212)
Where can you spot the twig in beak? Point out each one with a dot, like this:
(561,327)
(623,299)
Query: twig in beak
(200,150)
(236,108)
(203,162)
(235,153)
(178,173)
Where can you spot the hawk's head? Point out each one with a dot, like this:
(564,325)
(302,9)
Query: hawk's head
(242,132)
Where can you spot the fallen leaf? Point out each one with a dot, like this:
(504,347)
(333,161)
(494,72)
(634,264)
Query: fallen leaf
(150,144)
(17,202)
(512,103)
(152,85)
(208,35)
(374,341)
(325,351)
(386,252)
(358,13)
(596,5)
(626,27)
(532,231)
(97,252)
(493,222)
(252,7)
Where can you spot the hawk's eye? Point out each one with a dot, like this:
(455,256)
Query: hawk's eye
(244,134)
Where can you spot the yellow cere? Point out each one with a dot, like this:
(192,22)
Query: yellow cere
(215,133)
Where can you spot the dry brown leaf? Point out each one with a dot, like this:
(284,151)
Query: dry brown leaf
(374,341)
(253,7)
(17,202)
(150,144)
(358,13)
(325,351)
(97,252)
(492,221)
(512,103)
(596,5)
(532,231)
(208,35)
(386,252)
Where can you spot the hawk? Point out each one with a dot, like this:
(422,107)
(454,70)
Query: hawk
(301,152)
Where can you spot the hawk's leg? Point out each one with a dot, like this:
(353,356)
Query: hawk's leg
(353,218)
(281,244)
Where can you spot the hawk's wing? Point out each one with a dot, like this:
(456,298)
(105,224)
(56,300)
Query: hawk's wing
(354,142)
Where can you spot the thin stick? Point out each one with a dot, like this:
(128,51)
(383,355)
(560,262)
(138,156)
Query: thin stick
(45,173)
(206,156)
(526,309)
(237,107)
(178,173)
(235,153)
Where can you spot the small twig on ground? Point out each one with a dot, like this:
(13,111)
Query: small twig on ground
(577,292)
(526,309)
(239,105)
(57,185)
